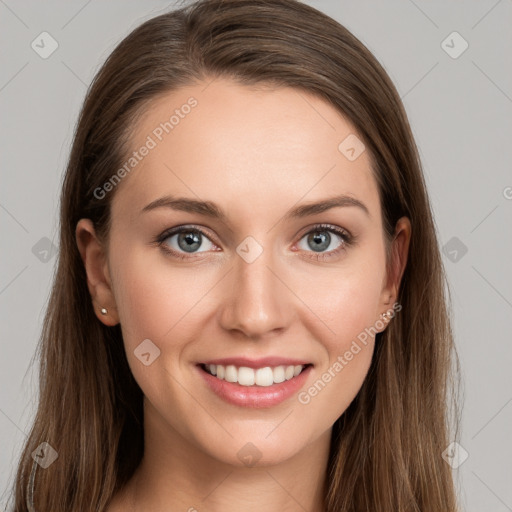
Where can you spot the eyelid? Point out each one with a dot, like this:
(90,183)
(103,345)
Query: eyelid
(338,230)
(184,227)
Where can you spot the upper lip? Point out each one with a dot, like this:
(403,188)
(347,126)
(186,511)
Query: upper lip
(257,363)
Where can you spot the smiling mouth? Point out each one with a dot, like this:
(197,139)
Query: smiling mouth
(263,377)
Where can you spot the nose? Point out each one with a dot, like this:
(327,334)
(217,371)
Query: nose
(256,302)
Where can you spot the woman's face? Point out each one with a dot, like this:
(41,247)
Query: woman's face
(269,283)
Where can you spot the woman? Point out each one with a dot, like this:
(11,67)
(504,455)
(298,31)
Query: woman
(249,306)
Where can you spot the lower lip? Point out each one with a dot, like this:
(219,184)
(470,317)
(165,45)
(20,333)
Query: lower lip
(255,396)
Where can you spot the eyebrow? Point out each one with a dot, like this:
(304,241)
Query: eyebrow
(210,209)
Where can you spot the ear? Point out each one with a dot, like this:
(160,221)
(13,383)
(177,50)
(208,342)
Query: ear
(96,267)
(395,269)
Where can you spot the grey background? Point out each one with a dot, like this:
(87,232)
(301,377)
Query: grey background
(460,111)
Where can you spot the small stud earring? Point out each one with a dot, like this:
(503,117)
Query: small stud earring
(104,311)
(386,316)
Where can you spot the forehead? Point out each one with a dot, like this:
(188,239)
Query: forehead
(244,147)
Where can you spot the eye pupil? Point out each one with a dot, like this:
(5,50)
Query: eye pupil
(189,241)
(323,238)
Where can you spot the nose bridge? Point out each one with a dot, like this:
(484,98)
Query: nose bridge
(255,304)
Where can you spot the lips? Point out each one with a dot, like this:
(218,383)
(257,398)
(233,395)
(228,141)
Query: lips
(255,382)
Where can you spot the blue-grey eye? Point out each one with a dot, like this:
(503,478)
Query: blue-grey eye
(321,241)
(188,241)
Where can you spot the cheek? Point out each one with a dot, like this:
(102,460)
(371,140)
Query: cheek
(351,347)
(345,303)
(153,298)
(163,304)
(350,313)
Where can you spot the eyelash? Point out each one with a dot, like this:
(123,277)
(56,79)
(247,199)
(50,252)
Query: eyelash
(346,237)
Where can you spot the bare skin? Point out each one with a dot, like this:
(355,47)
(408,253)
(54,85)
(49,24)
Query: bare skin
(257,154)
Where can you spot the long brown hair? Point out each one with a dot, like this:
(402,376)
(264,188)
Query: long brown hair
(386,449)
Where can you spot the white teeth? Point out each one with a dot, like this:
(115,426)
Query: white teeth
(249,377)
(279,374)
(264,377)
(231,374)
(245,376)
